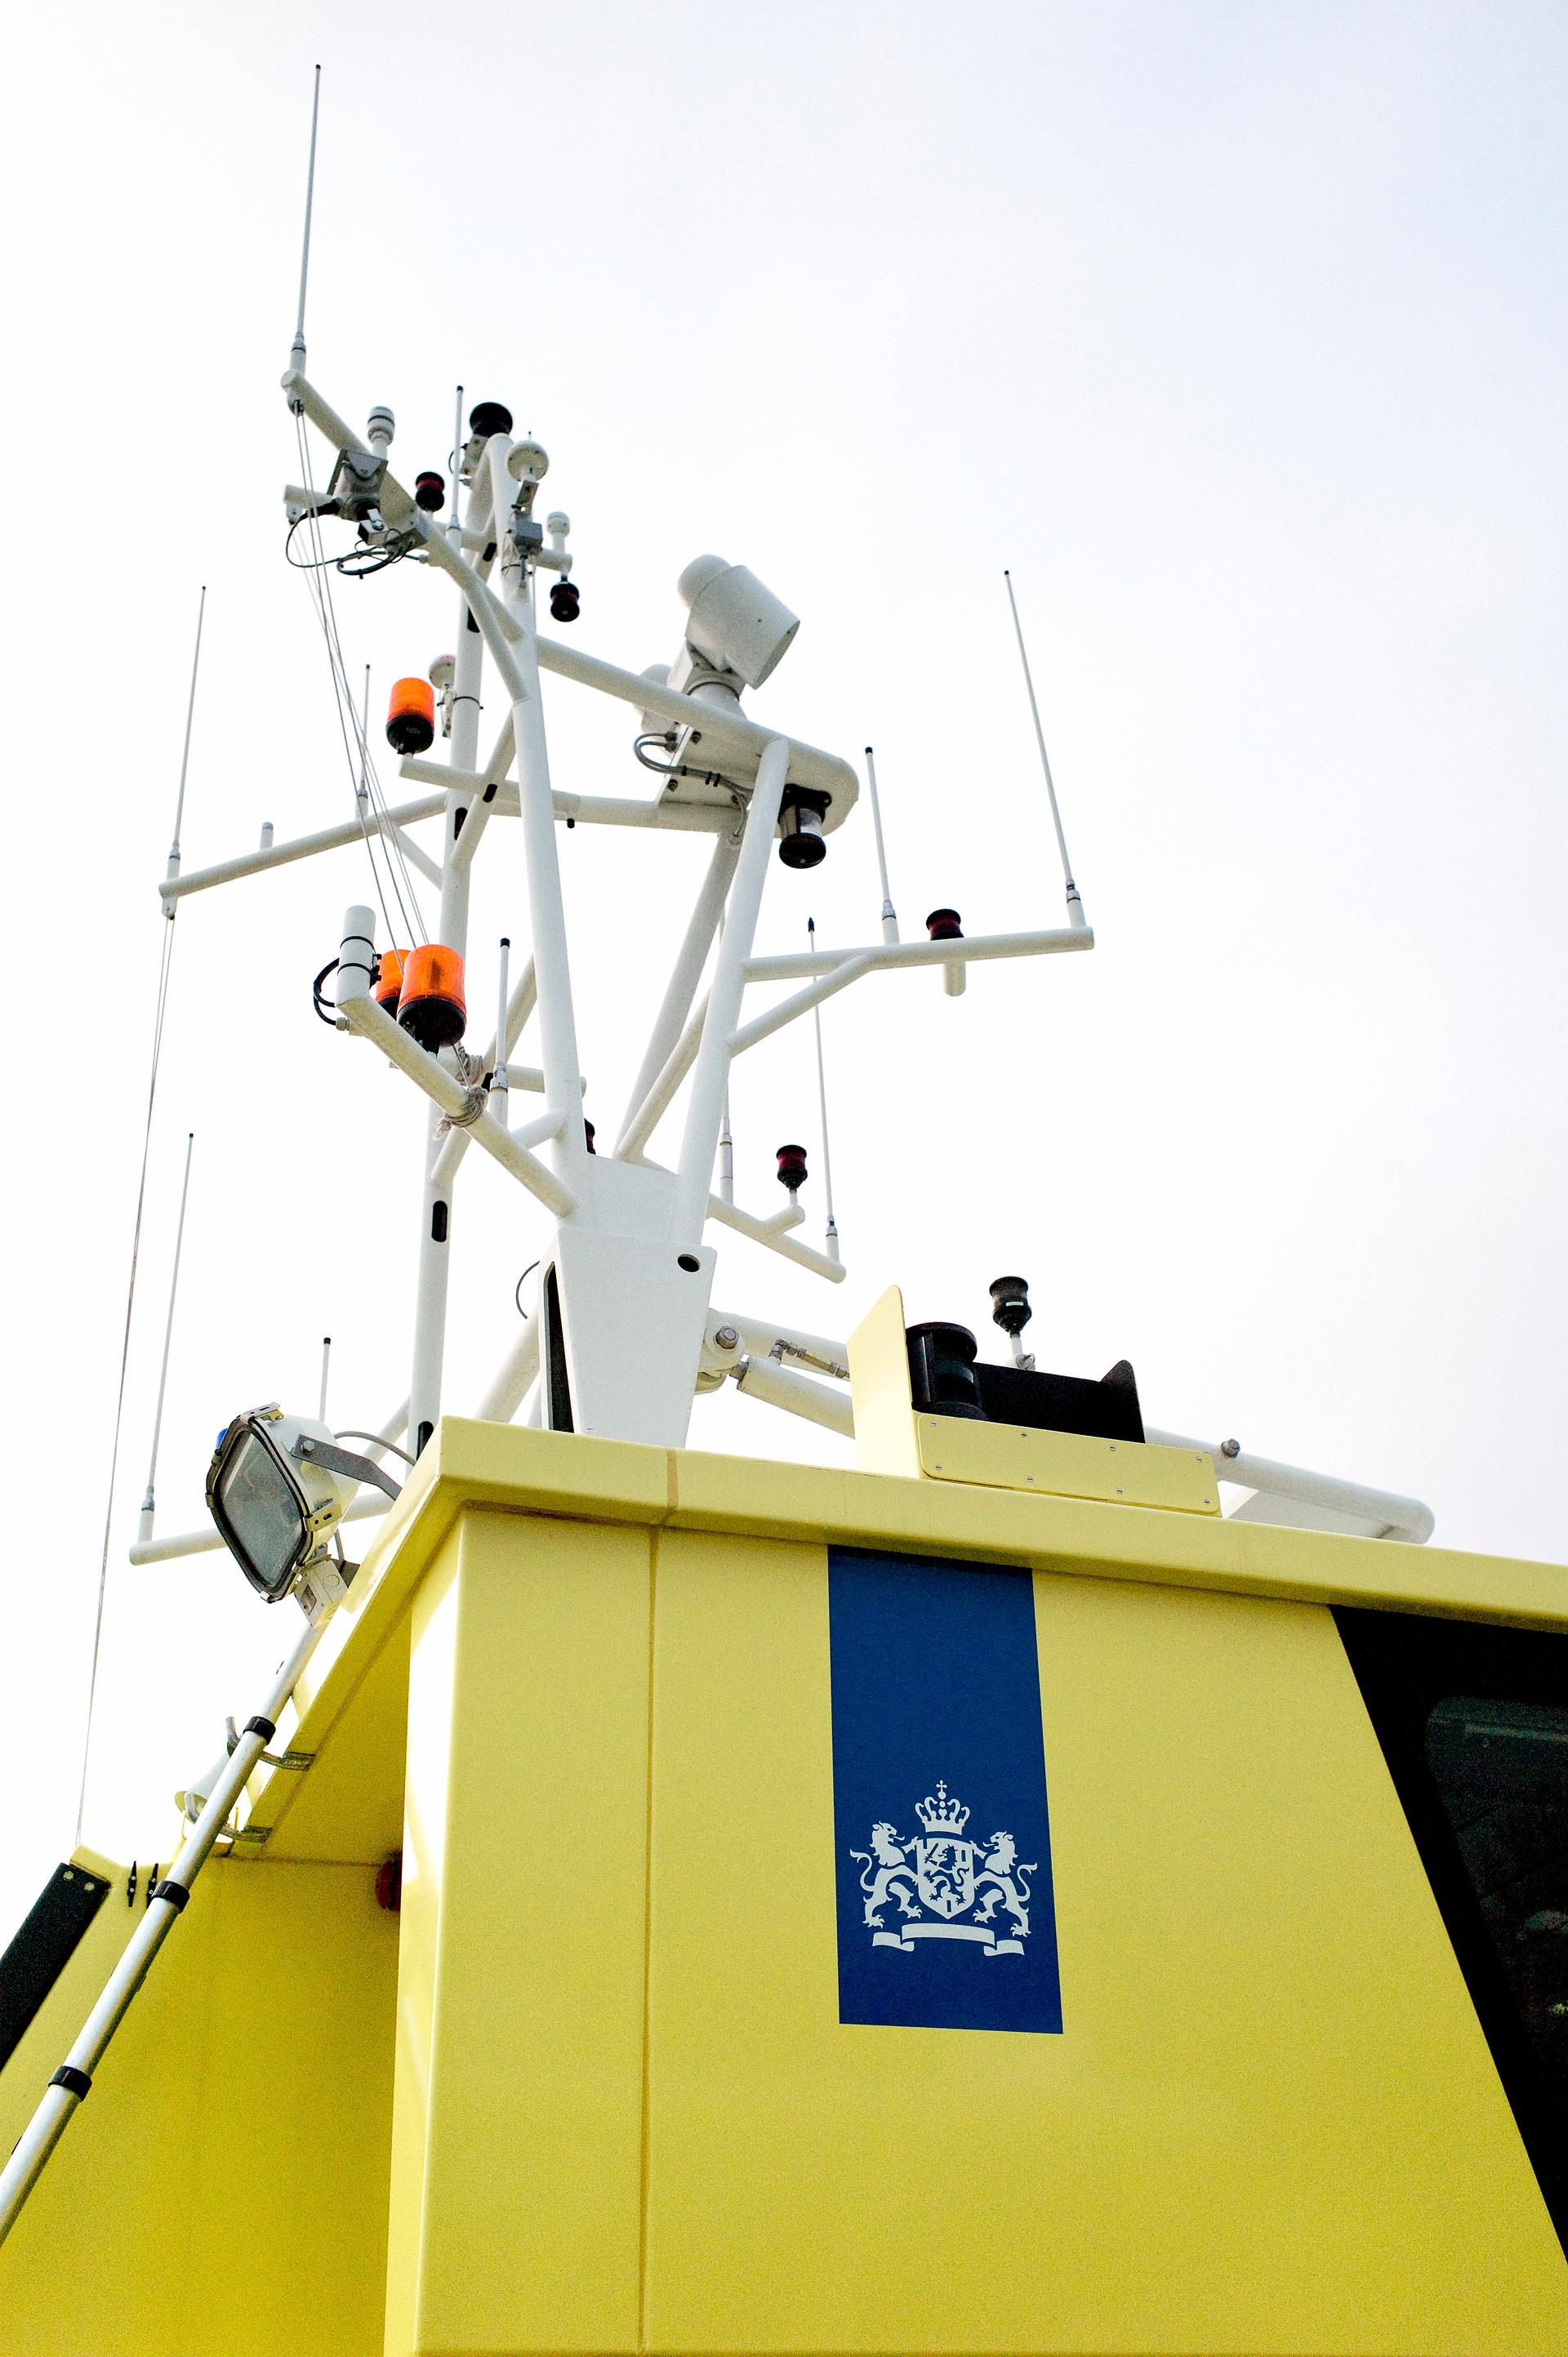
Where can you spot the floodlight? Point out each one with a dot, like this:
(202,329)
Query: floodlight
(736,622)
(277,1488)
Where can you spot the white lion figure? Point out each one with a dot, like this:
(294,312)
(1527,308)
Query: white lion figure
(886,1874)
(1001,1875)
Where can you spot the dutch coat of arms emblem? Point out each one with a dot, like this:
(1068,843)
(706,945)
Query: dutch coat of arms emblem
(939,1877)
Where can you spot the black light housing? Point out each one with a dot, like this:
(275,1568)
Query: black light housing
(801,811)
(430,492)
(792,1166)
(941,1369)
(565,601)
(945,925)
(488,417)
(1010,1303)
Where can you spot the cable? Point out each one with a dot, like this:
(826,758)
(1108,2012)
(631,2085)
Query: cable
(351,1432)
(318,1001)
(517,1295)
(355,736)
(164,964)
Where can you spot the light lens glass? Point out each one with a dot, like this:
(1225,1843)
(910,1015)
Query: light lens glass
(256,1506)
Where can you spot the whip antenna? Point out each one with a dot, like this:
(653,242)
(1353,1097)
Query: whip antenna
(147,1503)
(831,1232)
(297,353)
(890,918)
(326,1362)
(1072,894)
(185,757)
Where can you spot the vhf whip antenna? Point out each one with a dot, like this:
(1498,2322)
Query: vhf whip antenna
(297,352)
(832,1237)
(147,1503)
(889,916)
(170,906)
(1072,894)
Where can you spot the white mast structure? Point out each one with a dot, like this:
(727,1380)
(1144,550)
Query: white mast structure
(625,1332)
(626,1275)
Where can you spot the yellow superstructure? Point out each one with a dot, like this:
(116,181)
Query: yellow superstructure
(591,2091)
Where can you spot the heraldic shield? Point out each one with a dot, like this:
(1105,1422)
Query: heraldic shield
(936,1665)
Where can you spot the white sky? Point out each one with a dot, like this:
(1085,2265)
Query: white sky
(1236,332)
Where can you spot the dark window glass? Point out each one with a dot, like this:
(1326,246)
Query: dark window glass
(1501,1769)
(1473,1721)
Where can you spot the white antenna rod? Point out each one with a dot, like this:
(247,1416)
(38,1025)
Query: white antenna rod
(147,1503)
(1072,893)
(325,1360)
(832,1239)
(726,1157)
(889,919)
(296,355)
(500,1100)
(454,523)
(185,757)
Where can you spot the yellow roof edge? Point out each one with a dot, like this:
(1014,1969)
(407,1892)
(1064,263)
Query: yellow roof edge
(516,1469)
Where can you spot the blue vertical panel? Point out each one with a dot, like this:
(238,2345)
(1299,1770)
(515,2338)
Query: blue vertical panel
(942,1842)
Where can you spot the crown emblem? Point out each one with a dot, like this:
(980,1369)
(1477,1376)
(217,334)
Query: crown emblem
(941,1813)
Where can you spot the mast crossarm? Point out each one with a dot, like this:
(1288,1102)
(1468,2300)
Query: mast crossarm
(583,810)
(306,846)
(769,1233)
(976,950)
(448,1091)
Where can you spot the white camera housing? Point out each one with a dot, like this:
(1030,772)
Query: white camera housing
(735,620)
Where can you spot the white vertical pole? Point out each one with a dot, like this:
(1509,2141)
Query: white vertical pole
(552,964)
(325,1360)
(452,930)
(145,1528)
(498,1095)
(710,1073)
(831,1239)
(889,919)
(685,974)
(296,351)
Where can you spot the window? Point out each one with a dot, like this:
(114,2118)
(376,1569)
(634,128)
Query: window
(1473,1721)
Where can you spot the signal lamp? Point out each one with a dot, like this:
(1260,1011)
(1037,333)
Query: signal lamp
(800,815)
(736,622)
(432,1007)
(565,602)
(430,492)
(276,1488)
(410,715)
(1010,1303)
(945,925)
(488,417)
(942,1380)
(387,987)
(792,1166)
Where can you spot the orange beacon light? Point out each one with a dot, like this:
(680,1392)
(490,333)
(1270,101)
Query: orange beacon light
(432,1008)
(410,715)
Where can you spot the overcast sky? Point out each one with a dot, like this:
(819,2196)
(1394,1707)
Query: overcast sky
(1236,332)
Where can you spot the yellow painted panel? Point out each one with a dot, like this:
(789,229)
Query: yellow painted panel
(879,1386)
(1271,2125)
(348,1804)
(222,2191)
(1066,1464)
(517,2138)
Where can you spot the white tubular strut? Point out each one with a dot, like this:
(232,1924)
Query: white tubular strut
(710,1077)
(70,2084)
